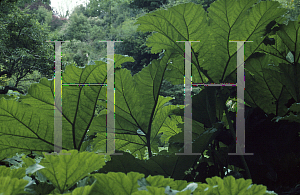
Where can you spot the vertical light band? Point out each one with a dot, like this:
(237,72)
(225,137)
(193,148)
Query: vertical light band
(240,118)
(57,100)
(188,137)
(110,122)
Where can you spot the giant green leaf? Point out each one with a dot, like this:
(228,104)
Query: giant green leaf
(138,106)
(28,125)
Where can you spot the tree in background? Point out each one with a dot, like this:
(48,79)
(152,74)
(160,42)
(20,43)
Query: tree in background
(43,12)
(93,8)
(98,7)
(31,3)
(149,5)
(89,31)
(122,28)
(44,16)
(65,8)
(57,22)
(85,11)
(77,28)
(23,46)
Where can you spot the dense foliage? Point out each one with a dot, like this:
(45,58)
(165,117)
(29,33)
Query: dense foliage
(145,92)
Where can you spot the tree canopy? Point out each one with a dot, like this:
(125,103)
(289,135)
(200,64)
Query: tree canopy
(22,43)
